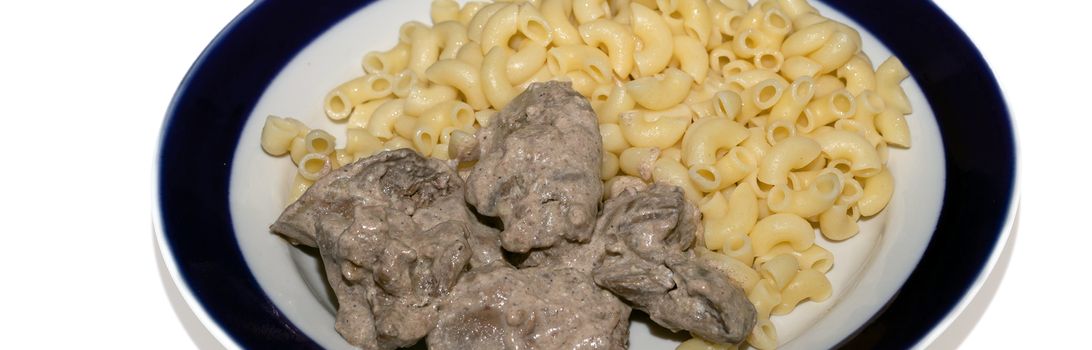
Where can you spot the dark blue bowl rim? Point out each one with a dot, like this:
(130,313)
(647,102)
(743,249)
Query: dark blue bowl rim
(208,112)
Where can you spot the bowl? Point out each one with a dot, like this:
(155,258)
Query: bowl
(896,284)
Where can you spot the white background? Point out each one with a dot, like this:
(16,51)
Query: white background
(84,86)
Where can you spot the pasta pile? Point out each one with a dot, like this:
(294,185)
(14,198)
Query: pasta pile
(768,116)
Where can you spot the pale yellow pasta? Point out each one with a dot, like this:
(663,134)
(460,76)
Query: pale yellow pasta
(477,23)
(319,141)
(727,104)
(843,45)
(424,50)
(673,153)
(756,143)
(734,68)
(451,35)
(778,130)
(888,75)
(469,10)
(764,296)
(297,149)
(738,246)
(760,97)
(793,100)
(705,177)
(610,166)
(858,74)
(660,129)
(708,136)
(500,28)
(780,269)
(692,57)
(662,91)
(341,158)
(674,173)
(839,144)
(814,199)
(461,143)
(807,284)
(407,30)
(839,222)
(360,143)
(401,84)
(532,25)
(405,126)
(826,84)
(471,53)
(768,60)
(781,228)
(764,335)
(589,10)
(721,56)
(876,193)
(791,153)
(826,110)
(381,123)
(749,41)
(444,10)
(697,19)
(314,166)
(397,142)
(523,64)
(808,39)
(565,59)
(892,126)
(340,101)
(463,77)
(581,82)
(421,98)
(796,67)
(394,60)
(556,13)
(278,133)
(618,40)
(496,86)
(739,272)
(736,165)
(613,141)
(298,187)
(869,104)
(851,190)
(483,117)
(815,258)
(638,161)
(655,38)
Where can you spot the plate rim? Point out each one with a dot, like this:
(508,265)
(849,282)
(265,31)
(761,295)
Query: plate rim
(199,307)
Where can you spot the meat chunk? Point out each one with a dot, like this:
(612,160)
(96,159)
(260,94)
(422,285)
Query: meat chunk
(539,168)
(649,263)
(395,235)
(498,307)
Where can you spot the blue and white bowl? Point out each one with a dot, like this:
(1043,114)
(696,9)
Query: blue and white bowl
(896,285)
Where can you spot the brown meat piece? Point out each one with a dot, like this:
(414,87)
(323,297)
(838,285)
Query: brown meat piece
(395,235)
(498,307)
(539,168)
(649,263)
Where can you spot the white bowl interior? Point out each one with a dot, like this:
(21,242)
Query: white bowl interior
(868,269)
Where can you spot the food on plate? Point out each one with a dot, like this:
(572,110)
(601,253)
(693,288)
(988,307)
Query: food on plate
(500,307)
(768,117)
(395,235)
(538,169)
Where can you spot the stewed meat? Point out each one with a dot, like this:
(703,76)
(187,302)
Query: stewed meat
(395,235)
(539,168)
(648,235)
(499,307)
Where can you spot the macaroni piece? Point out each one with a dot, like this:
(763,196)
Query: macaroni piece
(768,116)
